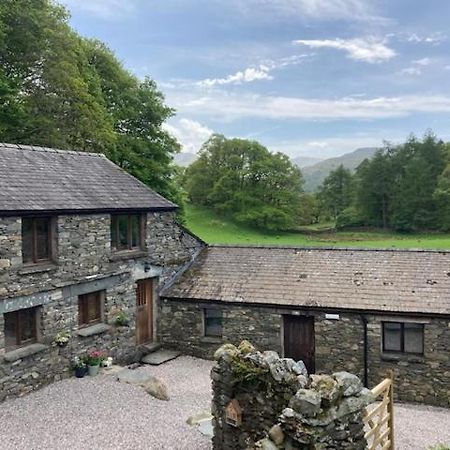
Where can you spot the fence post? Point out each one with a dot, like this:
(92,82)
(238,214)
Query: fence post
(390,375)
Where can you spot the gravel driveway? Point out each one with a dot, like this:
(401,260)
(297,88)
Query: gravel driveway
(100,414)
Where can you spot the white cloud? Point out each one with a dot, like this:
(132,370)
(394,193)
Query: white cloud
(411,71)
(317,144)
(422,62)
(226,106)
(244,76)
(357,10)
(371,50)
(434,38)
(190,133)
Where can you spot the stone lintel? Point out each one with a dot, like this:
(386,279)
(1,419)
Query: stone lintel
(99,328)
(24,352)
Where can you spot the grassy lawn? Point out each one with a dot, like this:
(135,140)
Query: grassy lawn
(216,230)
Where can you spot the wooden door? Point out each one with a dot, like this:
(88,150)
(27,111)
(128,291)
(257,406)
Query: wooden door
(144,311)
(299,340)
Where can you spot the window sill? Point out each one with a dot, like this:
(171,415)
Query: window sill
(128,254)
(406,357)
(98,328)
(211,339)
(24,352)
(28,269)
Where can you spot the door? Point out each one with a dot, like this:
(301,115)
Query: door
(299,340)
(144,311)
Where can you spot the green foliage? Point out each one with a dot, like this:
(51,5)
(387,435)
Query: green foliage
(247,372)
(349,218)
(61,90)
(336,192)
(242,179)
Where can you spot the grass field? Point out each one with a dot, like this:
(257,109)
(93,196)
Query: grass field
(216,230)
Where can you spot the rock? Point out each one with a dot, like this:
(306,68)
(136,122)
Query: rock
(276,434)
(351,404)
(156,388)
(285,369)
(197,418)
(206,428)
(306,402)
(270,356)
(350,384)
(327,386)
(266,444)
(226,349)
(298,367)
(246,347)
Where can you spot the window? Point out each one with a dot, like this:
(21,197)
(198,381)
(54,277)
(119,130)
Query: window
(36,239)
(403,337)
(20,328)
(90,308)
(213,322)
(127,231)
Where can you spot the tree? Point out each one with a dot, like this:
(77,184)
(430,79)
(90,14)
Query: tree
(336,191)
(243,179)
(61,90)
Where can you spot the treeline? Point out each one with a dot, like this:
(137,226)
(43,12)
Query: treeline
(243,180)
(61,90)
(404,188)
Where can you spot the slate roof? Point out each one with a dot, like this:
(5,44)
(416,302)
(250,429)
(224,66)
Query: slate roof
(36,179)
(401,281)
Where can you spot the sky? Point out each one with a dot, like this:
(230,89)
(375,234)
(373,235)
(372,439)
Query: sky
(315,78)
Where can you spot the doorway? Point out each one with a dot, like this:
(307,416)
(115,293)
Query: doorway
(144,311)
(299,340)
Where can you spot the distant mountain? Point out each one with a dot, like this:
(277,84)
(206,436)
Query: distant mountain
(304,161)
(315,174)
(184,158)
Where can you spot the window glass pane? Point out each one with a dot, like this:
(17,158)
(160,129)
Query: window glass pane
(123,232)
(27,240)
(213,322)
(42,238)
(135,231)
(27,325)
(10,330)
(392,337)
(413,338)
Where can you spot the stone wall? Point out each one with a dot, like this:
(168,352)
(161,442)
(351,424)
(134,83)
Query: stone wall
(84,264)
(339,344)
(279,406)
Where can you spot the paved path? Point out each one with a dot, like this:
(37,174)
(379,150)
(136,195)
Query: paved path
(101,414)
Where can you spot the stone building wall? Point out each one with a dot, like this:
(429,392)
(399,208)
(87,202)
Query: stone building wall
(339,344)
(84,264)
(274,404)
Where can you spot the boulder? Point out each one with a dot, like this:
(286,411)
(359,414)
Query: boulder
(266,444)
(350,384)
(225,350)
(306,402)
(327,386)
(156,388)
(246,347)
(276,434)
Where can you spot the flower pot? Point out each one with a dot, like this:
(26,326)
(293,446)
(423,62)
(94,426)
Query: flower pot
(93,370)
(80,372)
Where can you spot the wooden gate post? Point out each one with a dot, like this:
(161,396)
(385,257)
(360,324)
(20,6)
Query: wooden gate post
(390,375)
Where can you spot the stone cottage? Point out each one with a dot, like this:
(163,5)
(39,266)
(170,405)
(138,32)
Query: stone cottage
(81,242)
(362,311)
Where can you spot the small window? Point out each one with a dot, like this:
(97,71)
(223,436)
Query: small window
(90,308)
(20,328)
(403,337)
(213,322)
(36,239)
(127,231)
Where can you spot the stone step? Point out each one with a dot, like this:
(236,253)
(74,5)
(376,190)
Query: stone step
(150,348)
(160,357)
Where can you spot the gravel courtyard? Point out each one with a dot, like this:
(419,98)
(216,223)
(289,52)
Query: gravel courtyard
(100,413)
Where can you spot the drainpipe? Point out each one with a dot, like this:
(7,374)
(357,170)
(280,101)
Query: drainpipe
(366,354)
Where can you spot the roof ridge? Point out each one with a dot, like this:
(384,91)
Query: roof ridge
(39,148)
(298,247)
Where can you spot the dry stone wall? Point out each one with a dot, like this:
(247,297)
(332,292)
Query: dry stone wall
(280,406)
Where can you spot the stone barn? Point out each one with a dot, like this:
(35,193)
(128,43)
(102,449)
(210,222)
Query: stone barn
(362,311)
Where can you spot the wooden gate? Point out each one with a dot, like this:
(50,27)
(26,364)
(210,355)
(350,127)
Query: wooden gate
(379,417)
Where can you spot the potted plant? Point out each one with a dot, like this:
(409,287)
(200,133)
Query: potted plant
(93,361)
(80,367)
(61,339)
